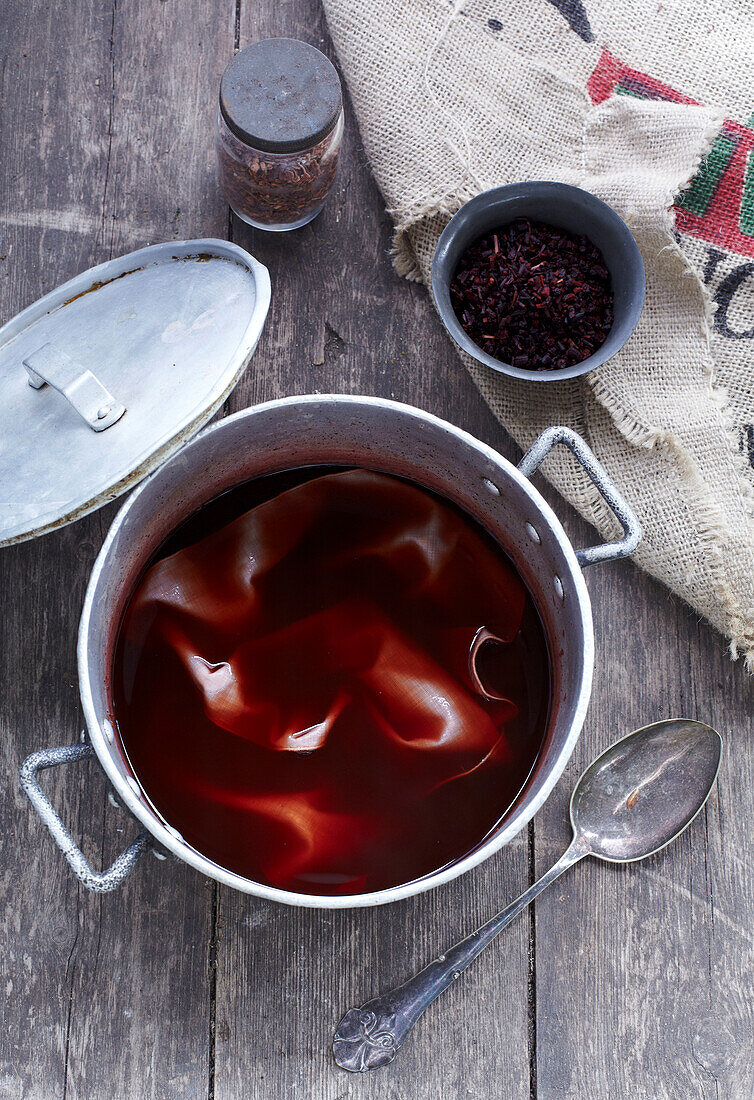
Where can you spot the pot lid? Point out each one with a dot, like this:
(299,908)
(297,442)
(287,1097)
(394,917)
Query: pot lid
(107,376)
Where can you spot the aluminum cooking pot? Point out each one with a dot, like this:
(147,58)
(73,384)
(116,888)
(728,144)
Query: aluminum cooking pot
(343,431)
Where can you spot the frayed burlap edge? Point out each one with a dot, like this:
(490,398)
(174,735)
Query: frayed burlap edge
(402,253)
(710,527)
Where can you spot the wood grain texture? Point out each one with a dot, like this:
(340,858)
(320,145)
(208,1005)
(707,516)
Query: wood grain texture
(105,147)
(154,940)
(645,973)
(624,983)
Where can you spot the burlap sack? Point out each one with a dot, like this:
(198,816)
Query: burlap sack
(456,97)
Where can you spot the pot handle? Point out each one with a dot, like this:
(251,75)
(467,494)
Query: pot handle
(608,551)
(100,882)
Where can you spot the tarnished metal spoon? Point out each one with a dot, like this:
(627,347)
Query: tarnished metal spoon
(635,798)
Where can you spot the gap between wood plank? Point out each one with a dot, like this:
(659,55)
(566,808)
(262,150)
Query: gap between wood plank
(213,989)
(237,33)
(531,990)
(216,885)
(110,131)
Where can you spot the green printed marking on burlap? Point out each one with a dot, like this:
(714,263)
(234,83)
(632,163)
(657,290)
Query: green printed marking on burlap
(698,195)
(746,216)
(620,90)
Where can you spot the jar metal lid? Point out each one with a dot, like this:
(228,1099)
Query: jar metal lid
(280,95)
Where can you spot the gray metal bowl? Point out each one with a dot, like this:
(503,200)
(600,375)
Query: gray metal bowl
(563,206)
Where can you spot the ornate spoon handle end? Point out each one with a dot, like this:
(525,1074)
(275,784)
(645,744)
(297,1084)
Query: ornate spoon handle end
(365,1038)
(371,1036)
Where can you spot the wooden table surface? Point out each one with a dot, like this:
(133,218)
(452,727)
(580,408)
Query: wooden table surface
(620,982)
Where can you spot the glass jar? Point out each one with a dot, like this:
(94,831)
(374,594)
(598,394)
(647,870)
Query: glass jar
(279,129)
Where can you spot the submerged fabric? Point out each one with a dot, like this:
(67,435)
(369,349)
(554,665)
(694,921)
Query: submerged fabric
(295,687)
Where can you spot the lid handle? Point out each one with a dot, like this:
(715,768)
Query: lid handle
(89,397)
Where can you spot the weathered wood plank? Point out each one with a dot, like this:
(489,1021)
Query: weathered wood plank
(644,973)
(143,1007)
(107,145)
(50,197)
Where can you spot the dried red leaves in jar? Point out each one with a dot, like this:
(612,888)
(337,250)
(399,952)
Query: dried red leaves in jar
(276,189)
(278,132)
(534,296)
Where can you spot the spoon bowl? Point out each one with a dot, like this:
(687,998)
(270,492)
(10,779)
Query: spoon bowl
(644,790)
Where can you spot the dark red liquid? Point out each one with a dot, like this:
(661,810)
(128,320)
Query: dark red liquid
(293,690)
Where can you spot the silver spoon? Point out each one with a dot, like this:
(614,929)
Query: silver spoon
(635,798)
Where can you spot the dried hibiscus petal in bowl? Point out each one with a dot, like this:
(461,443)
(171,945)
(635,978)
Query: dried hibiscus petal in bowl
(534,296)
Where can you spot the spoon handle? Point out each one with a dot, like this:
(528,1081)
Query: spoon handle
(371,1036)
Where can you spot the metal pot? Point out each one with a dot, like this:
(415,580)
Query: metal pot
(357,431)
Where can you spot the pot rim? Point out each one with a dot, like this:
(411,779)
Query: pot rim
(522,814)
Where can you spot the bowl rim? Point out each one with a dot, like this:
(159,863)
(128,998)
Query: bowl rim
(540,189)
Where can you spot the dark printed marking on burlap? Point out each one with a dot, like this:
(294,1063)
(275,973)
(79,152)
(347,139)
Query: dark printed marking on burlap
(724,297)
(730,283)
(573,11)
(714,256)
(747,442)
